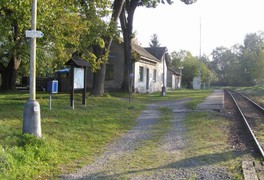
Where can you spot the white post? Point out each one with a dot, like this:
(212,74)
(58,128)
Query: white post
(50,99)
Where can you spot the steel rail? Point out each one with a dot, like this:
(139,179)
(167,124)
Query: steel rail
(247,124)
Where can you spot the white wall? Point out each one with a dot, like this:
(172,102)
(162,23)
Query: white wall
(140,86)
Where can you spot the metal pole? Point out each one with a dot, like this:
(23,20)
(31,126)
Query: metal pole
(50,99)
(31,116)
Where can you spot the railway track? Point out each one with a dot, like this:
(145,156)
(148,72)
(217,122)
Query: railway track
(253,117)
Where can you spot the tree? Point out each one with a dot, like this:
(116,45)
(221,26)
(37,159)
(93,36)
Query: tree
(99,75)
(242,64)
(252,63)
(13,43)
(227,65)
(55,19)
(66,27)
(154,42)
(190,66)
(126,20)
(178,57)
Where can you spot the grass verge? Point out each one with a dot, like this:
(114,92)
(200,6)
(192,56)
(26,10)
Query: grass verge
(71,138)
(209,142)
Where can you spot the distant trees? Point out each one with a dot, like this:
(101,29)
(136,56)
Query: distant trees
(191,65)
(242,65)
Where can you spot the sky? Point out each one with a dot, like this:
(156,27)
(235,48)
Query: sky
(216,22)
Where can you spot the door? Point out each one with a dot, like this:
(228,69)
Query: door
(147,80)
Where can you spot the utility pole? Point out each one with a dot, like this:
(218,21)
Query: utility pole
(31,115)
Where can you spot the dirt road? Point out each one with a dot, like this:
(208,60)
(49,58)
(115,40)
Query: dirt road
(125,159)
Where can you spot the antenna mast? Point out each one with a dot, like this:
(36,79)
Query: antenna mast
(200,55)
(200,50)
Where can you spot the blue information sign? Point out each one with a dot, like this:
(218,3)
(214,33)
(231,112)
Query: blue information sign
(52,86)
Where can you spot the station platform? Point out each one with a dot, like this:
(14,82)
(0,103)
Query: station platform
(213,102)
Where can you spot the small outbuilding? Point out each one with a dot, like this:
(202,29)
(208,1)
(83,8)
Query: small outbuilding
(173,79)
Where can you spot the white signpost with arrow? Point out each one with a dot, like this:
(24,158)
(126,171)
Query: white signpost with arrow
(34,34)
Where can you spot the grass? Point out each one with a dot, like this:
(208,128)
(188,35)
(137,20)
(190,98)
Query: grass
(209,145)
(208,140)
(147,156)
(196,96)
(71,138)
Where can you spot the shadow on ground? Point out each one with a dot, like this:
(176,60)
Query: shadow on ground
(197,161)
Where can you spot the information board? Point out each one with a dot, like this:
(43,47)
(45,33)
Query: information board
(78,78)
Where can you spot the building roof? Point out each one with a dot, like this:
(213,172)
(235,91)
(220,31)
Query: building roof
(77,62)
(158,52)
(174,71)
(144,53)
(62,71)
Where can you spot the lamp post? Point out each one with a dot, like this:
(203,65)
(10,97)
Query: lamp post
(180,68)
(31,115)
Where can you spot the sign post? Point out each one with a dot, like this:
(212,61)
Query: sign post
(52,88)
(31,115)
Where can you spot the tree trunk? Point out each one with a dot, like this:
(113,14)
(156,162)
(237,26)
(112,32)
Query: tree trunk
(127,28)
(127,63)
(9,74)
(98,81)
(99,76)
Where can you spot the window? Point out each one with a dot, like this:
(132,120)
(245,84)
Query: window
(154,75)
(141,73)
(109,72)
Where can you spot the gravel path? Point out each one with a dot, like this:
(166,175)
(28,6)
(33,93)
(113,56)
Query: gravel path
(173,144)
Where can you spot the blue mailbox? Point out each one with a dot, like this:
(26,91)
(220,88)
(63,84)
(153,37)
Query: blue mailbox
(52,86)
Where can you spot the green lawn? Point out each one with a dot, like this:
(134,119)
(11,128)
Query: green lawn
(71,138)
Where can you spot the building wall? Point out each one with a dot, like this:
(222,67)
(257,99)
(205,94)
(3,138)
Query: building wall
(173,80)
(170,79)
(148,84)
(116,59)
(178,82)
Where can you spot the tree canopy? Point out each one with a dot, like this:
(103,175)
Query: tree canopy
(191,65)
(242,64)
(66,26)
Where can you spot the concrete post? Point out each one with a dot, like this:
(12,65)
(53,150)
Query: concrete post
(31,115)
